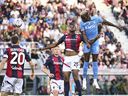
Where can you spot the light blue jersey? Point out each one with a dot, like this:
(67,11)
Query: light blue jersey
(91,27)
(91,30)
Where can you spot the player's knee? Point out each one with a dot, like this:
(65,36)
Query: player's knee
(75,75)
(95,60)
(4,94)
(66,78)
(95,57)
(86,57)
(55,93)
(86,60)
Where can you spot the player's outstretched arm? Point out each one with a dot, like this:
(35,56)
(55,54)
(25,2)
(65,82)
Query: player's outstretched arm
(32,68)
(54,44)
(2,63)
(46,71)
(49,46)
(105,22)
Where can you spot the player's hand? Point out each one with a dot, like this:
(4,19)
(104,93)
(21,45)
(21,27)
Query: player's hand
(93,40)
(88,45)
(120,28)
(98,36)
(50,75)
(32,76)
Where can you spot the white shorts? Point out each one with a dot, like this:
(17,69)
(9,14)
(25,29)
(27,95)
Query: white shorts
(71,63)
(13,85)
(57,85)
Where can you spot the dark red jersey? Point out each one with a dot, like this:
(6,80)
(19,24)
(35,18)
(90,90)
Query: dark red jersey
(55,65)
(71,41)
(16,57)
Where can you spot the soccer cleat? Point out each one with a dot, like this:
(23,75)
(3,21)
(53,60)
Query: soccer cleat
(84,87)
(95,84)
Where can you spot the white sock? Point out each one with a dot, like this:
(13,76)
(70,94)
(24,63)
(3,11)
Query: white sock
(84,79)
(95,80)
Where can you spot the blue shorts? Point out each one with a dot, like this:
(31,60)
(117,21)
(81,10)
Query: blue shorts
(94,49)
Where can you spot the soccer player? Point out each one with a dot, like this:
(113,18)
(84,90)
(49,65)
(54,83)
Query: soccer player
(15,57)
(89,28)
(71,59)
(53,68)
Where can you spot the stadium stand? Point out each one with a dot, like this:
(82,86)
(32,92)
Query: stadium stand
(41,22)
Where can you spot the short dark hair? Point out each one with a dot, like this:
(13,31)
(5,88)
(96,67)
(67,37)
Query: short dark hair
(72,23)
(14,39)
(85,15)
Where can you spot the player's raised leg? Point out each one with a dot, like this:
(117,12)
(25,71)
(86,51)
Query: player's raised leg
(85,68)
(95,70)
(66,83)
(77,82)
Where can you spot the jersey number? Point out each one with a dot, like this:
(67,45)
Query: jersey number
(19,56)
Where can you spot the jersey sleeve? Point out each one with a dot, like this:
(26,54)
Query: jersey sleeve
(48,62)
(81,26)
(61,39)
(5,54)
(62,59)
(27,57)
(98,19)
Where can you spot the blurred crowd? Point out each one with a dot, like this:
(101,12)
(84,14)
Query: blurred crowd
(41,22)
(120,12)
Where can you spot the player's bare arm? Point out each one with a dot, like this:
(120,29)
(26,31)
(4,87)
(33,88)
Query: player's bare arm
(93,40)
(86,39)
(45,48)
(48,86)
(32,68)
(105,22)
(53,45)
(49,46)
(46,71)
(2,63)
